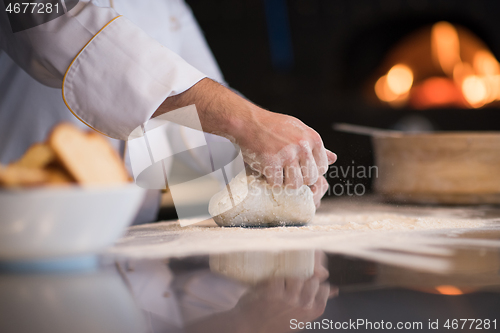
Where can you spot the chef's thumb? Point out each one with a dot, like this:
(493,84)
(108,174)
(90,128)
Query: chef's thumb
(332,157)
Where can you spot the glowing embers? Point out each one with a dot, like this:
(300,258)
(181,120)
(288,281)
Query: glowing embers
(395,85)
(440,66)
(437,92)
(474,90)
(445,46)
(483,87)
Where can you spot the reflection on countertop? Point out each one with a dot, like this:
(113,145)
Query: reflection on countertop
(62,302)
(248,292)
(263,291)
(408,275)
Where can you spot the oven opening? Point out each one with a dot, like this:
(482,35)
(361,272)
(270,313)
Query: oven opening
(442,65)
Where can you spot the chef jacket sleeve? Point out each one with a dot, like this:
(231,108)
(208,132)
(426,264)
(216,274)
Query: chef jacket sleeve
(113,75)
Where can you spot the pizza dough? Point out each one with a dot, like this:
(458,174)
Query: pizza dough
(254,203)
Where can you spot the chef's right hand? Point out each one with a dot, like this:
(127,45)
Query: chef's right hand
(283,149)
(280,147)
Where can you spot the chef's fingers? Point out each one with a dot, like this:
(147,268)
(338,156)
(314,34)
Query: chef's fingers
(293,176)
(308,166)
(319,189)
(309,291)
(321,158)
(332,157)
(274,174)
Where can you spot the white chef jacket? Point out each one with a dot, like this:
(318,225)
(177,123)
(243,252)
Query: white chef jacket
(115,66)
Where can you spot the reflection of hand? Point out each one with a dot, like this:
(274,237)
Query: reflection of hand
(320,266)
(270,306)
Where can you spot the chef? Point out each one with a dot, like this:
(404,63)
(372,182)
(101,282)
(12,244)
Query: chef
(114,64)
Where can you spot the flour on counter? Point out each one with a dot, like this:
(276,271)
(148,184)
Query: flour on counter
(368,230)
(381,221)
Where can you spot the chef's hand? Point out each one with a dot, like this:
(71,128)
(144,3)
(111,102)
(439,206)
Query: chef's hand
(280,147)
(319,189)
(283,149)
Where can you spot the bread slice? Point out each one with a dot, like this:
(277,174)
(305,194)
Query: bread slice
(57,175)
(20,176)
(88,157)
(37,156)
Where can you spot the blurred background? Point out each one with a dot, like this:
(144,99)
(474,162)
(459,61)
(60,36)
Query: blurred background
(403,64)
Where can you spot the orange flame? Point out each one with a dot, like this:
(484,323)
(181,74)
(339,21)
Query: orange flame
(475,90)
(395,85)
(484,63)
(400,79)
(476,80)
(445,46)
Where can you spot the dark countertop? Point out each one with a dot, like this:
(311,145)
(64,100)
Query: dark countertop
(245,292)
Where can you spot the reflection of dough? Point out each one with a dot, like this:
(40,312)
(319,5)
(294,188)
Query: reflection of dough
(253,267)
(258,204)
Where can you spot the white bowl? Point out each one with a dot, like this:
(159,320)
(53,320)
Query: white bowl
(47,223)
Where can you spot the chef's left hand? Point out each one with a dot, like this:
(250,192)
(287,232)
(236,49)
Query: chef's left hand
(319,189)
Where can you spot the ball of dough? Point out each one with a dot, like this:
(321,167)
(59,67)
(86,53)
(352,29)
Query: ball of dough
(255,203)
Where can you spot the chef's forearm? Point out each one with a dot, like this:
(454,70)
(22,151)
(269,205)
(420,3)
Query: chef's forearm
(280,147)
(221,111)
